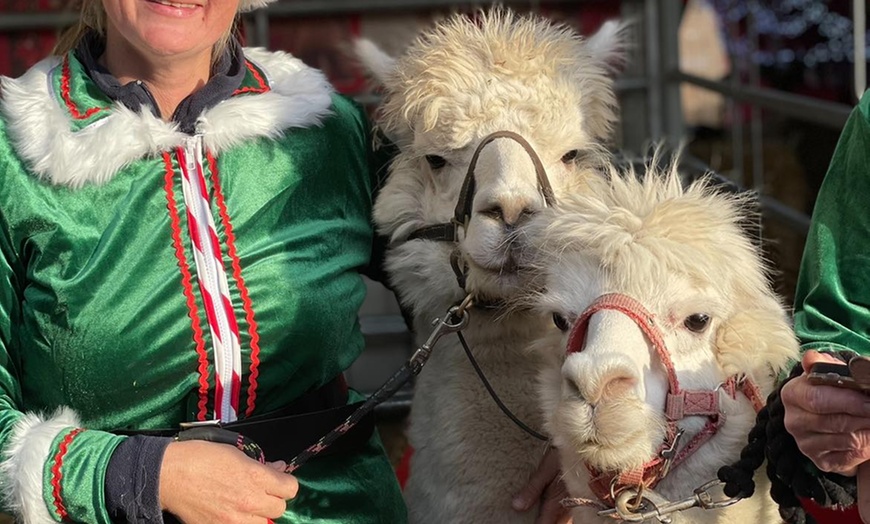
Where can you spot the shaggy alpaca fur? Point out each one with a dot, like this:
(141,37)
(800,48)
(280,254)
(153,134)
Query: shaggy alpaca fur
(41,130)
(442,88)
(680,252)
(460,82)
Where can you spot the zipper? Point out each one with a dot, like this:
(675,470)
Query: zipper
(209,264)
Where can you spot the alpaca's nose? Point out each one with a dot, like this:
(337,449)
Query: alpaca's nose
(603,380)
(616,383)
(510,211)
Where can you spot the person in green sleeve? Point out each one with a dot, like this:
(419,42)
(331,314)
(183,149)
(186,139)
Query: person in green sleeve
(182,226)
(832,311)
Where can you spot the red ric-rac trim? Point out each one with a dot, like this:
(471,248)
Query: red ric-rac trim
(188,288)
(262,86)
(65,76)
(243,290)
(57,474)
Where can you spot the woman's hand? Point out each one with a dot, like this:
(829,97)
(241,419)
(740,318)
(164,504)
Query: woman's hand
(545,487)
(830,425)
(204,482)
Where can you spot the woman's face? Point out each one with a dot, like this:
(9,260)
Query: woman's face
(177,28)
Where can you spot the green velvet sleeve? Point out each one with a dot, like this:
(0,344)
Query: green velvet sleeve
(50,467)
(832,304)
(10,300)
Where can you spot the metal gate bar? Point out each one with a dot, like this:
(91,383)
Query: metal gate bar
(829,114)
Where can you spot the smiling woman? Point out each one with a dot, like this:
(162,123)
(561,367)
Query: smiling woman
(145,38)
(93,18)
(182,226)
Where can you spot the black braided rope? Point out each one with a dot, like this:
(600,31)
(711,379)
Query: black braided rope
(224,436)
(791,474)
(390,387)
(409,369)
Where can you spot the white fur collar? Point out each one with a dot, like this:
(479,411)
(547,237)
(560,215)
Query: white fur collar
(42,135)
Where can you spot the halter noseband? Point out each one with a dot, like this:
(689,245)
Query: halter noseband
(680,403)
(448,232)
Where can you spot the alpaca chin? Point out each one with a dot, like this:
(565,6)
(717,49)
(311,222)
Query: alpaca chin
(500,274)
(614,436)
(493,285)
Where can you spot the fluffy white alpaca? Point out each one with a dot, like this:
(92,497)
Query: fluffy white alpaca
(681,253)
(458,83)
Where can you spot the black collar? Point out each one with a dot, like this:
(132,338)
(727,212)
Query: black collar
(227,76)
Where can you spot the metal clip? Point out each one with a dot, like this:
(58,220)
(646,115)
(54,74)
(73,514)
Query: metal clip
(706,499)
(670,454)
(199,424)
(454,321)
(652,506)
(655,506)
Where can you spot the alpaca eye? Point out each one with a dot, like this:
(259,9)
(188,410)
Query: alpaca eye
(570,156)
(697,322)
(561,322)
(435,161)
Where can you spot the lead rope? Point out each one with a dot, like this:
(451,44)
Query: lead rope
(494,395)
(454,321)
(791,474)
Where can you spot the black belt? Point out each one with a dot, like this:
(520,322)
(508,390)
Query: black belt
(285,433)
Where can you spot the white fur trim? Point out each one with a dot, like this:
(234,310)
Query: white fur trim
(39,124)
(23,461)
(299,97)
(42,135)
(250,5)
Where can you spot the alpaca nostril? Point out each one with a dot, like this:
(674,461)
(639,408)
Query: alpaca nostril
(616,384)
(595,387)
(510,215)
(572,389)
(521,217)
(494,212)
(595,377)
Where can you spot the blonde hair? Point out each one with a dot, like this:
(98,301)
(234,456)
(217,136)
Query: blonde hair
(92,17)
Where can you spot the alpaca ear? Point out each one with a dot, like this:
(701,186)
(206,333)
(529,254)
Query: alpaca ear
(609,45)
(758,341)
(374,60)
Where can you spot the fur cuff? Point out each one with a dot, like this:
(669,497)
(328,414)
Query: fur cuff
(250,5)
(27,449)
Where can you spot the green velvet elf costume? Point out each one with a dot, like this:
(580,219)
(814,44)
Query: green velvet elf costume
(832,304)
(832,307)
(150,276)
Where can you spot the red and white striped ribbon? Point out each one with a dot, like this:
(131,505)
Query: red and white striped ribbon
(212,282)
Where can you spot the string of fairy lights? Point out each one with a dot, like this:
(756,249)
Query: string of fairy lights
(802,30)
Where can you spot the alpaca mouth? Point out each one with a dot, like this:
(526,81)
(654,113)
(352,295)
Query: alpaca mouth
(509,267)
(607,437)
(612,454)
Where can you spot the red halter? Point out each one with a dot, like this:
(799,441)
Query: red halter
(680,403)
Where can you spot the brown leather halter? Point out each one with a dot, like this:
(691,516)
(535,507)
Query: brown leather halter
(449,232)
(680,403)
